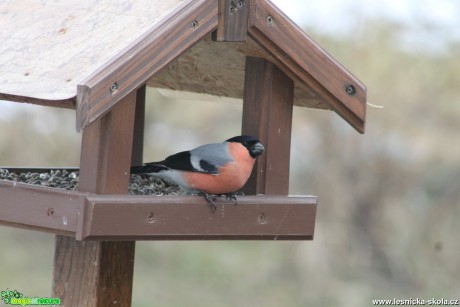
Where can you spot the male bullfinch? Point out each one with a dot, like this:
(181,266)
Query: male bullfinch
(219,169)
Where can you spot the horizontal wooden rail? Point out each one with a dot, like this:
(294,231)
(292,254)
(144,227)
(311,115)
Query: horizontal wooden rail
(40,208)
(188,217)
(124,217)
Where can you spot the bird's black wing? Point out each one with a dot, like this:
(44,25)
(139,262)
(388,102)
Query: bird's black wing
(179,161)
(148,168)
(183,161)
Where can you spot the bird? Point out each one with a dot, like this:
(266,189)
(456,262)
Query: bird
(211,169)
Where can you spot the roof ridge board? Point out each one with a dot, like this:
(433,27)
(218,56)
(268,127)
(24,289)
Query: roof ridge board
(276,33)
(148,54)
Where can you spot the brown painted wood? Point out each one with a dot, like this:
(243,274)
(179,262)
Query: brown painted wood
(146,56)
(233,21)
(139,123)
(100,273)
(123,217)
(188,218)
(273,30)
(267,113)
(39,208)
(93,273)
(106,151)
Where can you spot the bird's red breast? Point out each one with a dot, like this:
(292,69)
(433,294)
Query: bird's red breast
(231,177)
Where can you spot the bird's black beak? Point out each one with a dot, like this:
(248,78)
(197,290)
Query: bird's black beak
(257,149)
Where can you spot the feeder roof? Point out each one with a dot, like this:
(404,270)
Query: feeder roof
(89,54)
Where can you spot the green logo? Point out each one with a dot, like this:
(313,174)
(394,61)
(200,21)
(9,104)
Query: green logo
(16,298)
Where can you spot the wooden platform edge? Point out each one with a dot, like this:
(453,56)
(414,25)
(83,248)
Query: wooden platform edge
(39,208)
(88,216)
(263,217)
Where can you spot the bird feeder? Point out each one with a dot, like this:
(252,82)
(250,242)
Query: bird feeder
(97,57)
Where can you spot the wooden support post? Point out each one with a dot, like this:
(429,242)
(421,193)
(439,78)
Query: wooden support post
(267,113)
(96,273)
(139,122)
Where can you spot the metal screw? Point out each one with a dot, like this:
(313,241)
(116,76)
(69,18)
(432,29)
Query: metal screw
(232,7)
(151,218)
(262,219)
(350,89)
(50,212)
(270,20)
(194,24)
(240,3)
(114,87)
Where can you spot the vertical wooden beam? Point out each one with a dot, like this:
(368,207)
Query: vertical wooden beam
(232,25)
(267,113)
(99,273)
(139,123)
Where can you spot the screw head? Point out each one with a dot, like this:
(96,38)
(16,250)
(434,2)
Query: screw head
(114,87)
(270,20)
(240,3)
(262,218)
(151,218)
(194,24)
(50,212)
(350,89)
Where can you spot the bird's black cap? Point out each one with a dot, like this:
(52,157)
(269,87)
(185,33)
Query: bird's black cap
(243,138)
(253,144)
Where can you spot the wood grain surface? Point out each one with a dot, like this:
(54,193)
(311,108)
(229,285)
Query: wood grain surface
(100,273)
(126,44)
(267,113)
(273,30)
(151,52)
(39,208)
(49,47)
(188,218)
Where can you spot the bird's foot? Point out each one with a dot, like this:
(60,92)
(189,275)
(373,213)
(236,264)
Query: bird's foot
(211,199)
(231,196)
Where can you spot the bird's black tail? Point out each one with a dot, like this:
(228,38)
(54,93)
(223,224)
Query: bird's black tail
(148,168)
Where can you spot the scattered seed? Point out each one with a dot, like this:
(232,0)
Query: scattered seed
(68,180)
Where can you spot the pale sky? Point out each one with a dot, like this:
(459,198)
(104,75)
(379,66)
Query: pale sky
(431,23)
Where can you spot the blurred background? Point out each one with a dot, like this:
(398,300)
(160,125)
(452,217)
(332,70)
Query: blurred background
(389,200)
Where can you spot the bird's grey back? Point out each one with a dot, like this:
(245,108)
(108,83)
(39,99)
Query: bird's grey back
(216,154)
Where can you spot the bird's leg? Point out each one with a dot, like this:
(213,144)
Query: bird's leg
(211,201)
(231,196)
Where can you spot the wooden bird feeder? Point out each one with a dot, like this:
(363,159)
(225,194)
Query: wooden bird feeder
(97,57)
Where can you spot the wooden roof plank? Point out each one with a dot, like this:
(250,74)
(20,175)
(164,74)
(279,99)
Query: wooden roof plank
(272,29)
(48,47)
(143,58)
(49,61)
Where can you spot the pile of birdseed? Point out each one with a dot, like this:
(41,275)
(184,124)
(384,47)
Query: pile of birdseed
(68,180)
